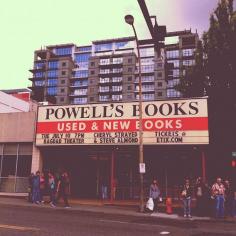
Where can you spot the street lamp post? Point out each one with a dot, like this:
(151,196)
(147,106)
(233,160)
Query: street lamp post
(129,19)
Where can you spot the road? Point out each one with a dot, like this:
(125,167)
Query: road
(36,221)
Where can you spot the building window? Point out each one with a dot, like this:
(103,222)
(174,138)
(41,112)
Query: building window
(81,74)
(159,84)
(39,75)
(129,87)
(147,52)
(147,61)
(63,81)
(117,97)
(172,83)
(124,45)
(105,61)
(52,91)
(104,80)
(146,97)
(116,88)
(172,93)
(159,74)
(52,73)
(103,47)
(62,99)
(172,54)
(130,60)
(130,69)
(174,62)
(39,65)
(62,90)
(117,70)
(80,92)
(63,72)
(53,64)
(52,82)
(116,79)
(104,89)
(130,78)
(117,60)
(104,98)
(92,72)
(80,58)
(64,64)
(63,51)
(92,63)
(147,68)
(175,73)
(104,71)
(188,62)
(148,78)
(91,99)
(85,49)
(80,101)
(159,94)
(188,52)
(39,83)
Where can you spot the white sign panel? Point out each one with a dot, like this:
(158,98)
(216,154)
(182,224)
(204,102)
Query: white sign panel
(168,122)
(142,168)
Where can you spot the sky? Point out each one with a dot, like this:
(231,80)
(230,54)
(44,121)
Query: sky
(28,25)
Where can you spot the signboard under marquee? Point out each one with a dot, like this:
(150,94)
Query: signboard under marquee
(170,122)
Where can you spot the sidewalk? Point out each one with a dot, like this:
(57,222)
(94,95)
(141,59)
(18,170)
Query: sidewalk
(97,206)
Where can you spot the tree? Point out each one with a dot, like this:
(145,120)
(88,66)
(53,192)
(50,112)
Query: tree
(214,75)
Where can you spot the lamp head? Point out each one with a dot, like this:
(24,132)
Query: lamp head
(129,19)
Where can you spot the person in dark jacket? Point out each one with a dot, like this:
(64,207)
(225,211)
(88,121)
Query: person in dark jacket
(154,193)
(229,199)
(30,189)
(36,188)
(186,195)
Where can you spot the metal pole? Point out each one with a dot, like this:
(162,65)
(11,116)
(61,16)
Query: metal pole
(203,166)
(140,124)
(112,176)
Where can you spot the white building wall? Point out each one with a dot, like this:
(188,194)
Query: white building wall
(9,103)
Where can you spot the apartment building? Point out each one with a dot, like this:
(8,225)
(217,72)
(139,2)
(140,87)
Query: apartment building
(107,70)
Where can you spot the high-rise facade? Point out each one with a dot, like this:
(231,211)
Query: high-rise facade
(107,70)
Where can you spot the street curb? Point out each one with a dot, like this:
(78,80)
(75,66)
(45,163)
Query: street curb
(90,209)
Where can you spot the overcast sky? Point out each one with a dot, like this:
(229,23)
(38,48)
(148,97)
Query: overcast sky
(26,25)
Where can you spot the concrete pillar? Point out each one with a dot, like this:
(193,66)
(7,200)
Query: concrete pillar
(37,160)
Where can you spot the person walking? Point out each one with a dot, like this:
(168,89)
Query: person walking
(36,188)
(218,193)
(52,189)
(154,193)
(186,195)
(63,188)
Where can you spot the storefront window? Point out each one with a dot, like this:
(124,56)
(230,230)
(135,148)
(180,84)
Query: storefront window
(15,166)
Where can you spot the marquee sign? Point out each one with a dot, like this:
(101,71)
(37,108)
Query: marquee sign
(170,122)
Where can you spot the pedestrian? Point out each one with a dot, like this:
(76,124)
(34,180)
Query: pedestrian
(42,187)
(36,188)
(30,188)
(229,199)
(202,197)
(155,193)
(218,193)
(186,194)
(104,189)
(63,188)
(52,189)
